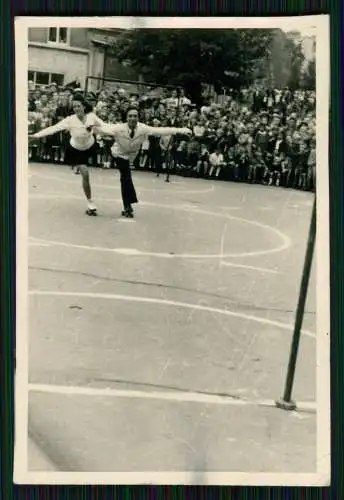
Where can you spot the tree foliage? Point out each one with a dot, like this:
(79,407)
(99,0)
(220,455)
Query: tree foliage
(297,60)
(222,58)
(309,77)
(287,60)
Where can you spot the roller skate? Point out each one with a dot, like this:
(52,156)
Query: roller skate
(128,212)
(91,210)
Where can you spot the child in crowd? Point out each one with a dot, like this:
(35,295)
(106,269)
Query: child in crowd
(203,162)
(302,168)
(181,157)
(44,122)
(217,162)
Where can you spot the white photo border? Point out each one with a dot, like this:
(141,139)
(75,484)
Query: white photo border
(320,27)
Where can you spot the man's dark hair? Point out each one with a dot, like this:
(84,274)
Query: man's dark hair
(132,108)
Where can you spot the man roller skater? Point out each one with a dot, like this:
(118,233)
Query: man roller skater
(129,138)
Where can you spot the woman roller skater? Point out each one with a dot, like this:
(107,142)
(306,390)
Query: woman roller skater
(82,144)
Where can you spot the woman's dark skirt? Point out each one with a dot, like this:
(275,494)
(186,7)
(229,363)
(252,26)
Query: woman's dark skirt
(75,157)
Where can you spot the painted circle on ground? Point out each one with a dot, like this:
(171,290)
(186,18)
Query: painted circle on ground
(285,240)
(169,303)
(116,188)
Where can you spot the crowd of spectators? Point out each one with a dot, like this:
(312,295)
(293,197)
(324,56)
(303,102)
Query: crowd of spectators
(256,135)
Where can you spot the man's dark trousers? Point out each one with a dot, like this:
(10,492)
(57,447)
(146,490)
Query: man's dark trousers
(127,186)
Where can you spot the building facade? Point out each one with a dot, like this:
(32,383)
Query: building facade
(65,55)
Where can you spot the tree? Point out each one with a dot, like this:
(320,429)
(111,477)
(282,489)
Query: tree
(286,60)
(309,77)
(280,59)
(296,63)
(190,58)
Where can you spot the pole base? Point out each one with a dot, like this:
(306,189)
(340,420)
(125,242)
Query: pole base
(286,405)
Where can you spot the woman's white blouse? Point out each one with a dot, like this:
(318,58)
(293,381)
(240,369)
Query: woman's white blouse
(82,137)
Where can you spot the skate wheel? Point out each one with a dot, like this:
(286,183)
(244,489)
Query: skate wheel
(129,215)
(91,212)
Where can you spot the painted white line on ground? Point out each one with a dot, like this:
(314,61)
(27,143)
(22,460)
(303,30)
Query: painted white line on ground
(286,241)
(105,186)
(223,237)
(228,208)
(171,303)
(185,397)
(251,268)
(138,253)
(301,204)
(124,220)
(35,243)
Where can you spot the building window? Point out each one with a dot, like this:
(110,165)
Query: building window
(58,35)
(42,78)
(58,79)
(45,78)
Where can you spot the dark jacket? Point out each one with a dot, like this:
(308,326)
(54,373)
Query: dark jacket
(281,148)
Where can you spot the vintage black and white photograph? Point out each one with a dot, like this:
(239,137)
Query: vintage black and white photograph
(172,251)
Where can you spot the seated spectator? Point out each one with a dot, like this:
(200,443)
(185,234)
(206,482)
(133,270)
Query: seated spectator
(199,128)
(181,156)
(217,162)
(193,150)
(258,168)
(203,162)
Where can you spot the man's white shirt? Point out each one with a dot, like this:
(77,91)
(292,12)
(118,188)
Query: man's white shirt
(128,147)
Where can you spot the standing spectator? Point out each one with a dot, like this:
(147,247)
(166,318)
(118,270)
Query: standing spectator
(155,150)
(302,165)
(311,174)
(31,102)
(241,159)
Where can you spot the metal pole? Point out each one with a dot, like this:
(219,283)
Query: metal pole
(86,86)
(286,402)
(173,141)
(132,82)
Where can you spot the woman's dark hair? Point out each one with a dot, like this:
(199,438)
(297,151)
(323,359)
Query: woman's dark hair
(79,98)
